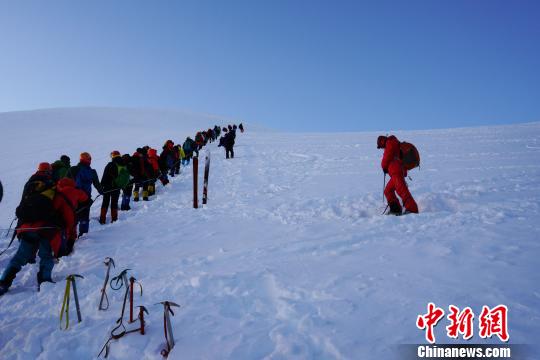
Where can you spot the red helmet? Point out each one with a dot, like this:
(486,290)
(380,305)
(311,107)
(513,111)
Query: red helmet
(45,167)
(85,158)
(115,153)
(381,142)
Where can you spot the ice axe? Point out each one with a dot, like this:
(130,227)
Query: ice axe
(70,282)
(167,327)
(132,282)
(108,262)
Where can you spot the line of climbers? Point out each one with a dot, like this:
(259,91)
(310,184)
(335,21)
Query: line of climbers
(59,196)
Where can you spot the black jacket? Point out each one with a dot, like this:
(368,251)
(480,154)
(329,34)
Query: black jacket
(110,173)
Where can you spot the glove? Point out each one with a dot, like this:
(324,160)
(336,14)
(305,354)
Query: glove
(385,171)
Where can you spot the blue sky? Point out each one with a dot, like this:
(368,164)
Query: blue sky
(293,65)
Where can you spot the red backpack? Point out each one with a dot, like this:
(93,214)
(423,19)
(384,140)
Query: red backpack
(409,155)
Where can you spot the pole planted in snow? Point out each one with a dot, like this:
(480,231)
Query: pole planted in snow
(195,175)
(205,182)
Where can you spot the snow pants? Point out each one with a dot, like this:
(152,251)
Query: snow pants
(138,185)
(229,152)
(83,217)
(397,184)
(112,199)
(30,243)
(126,196)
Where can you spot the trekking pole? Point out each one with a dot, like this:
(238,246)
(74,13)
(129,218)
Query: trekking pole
(10,226)
(7,235)
(384,185)
(26,228)
(132,281)
(70,281)
(108,262)
(88,206)
(167,327)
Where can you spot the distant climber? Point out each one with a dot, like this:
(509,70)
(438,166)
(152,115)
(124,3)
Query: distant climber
(392,164)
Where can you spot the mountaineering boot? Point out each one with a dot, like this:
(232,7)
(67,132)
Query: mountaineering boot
(3,287)
(410,206)
(7,280)
(114,215)
(135,196)
(406,212)
(145,195)
(41,279)
(123,203)
(83,227)
(103,216)
(151,190)
(395,209)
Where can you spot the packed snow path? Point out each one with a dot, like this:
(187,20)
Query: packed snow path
(292,259)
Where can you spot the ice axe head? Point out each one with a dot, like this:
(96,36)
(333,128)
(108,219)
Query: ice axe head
(142,309)
(119,280)
(109,261)
(73,276)
(168,304)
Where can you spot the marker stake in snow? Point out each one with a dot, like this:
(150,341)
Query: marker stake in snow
(205,182)
(195,175)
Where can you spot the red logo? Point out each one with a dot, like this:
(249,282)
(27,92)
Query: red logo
(461,322)
(429,321)
(493,322)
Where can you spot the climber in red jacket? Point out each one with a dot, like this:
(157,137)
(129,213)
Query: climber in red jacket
(392,164)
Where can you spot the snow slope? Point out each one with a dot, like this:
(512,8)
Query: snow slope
(291,258)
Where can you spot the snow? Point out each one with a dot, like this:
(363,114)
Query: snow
(291,258)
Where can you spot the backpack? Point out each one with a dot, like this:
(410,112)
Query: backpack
(409,155)
(37,203)
(84,178)
(60,170)
(122,179)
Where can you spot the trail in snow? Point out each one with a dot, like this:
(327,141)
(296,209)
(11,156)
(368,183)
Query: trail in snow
(291,259)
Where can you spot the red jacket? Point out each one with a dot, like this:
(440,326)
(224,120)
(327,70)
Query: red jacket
(53,227)
(66,189)
(153,159)
(391,152)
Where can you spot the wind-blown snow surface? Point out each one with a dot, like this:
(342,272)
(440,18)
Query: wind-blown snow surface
(291,257)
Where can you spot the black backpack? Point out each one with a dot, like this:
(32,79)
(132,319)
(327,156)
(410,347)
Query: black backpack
(37,203)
